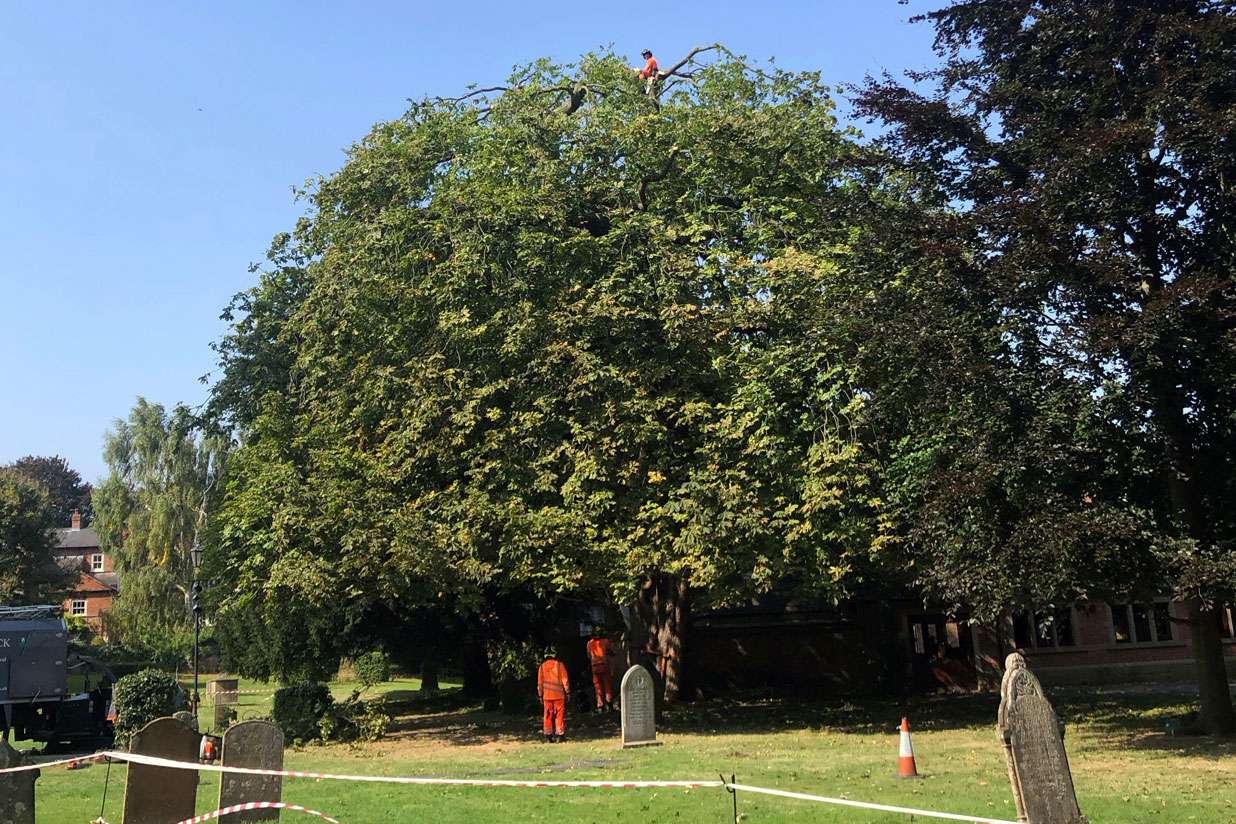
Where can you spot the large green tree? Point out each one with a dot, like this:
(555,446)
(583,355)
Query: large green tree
(28,571)
(563,336)
(165,475)
(1088,147)
(65,487)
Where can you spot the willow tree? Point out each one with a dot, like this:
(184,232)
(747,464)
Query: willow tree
(563,335)
(164,476)
(1089,147)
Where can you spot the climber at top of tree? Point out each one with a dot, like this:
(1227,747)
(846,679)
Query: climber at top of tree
(651,68)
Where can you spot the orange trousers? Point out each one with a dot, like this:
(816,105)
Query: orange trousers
(555,716)
(603,681)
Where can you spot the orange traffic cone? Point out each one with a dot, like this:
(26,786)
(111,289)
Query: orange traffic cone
(905,764)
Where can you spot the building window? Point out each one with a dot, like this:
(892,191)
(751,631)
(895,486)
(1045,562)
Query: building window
(77,607)
(1142,623)
(1041,630)
(96,562)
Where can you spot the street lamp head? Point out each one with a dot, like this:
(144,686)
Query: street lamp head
(195,554)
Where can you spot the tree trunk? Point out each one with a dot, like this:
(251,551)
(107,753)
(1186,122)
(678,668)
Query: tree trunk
(659,630)
(1215,713)
(429,672)
(1214,696)
(477,678)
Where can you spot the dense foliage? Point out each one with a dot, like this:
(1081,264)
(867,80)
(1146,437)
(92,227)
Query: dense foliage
(141,698)
(150,510)
(372,668)
(1089,147)
(28,571)
(299,709)
(65,488)
(564,337)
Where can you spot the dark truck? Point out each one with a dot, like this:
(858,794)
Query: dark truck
(48,693)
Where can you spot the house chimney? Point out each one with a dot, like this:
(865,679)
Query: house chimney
(77,519)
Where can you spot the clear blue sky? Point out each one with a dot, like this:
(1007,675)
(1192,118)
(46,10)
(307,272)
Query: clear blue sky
(147,150)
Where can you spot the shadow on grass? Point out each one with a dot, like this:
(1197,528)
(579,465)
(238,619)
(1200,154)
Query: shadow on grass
(1134,721)
(474,726)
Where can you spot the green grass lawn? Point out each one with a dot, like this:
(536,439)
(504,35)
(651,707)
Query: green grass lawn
(1126,768)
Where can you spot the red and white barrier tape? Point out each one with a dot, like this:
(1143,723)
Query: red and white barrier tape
(867,806)
(27,767)
(257,805)
(152,761)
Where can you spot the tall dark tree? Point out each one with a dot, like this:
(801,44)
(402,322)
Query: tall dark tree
(28,571)
(1091,148)
(65,487)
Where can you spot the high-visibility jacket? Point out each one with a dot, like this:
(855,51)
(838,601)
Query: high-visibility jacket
(599,651)
(551,680)
(650,69)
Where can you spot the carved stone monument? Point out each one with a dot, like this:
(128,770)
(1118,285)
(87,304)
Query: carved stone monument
(162,795)
(639,720)
(16,789)
(255,744)
(1033,739)
(223,690)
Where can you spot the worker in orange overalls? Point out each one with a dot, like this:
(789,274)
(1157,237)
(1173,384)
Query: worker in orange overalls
(599,652)
(650,68)
(553,688)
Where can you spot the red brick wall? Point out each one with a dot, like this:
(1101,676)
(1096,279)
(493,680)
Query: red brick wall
(1097,658)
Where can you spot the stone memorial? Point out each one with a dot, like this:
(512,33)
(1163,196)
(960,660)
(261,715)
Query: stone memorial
(187,717)
(223,690)
(16,789)
(224,716)
(162,795)
(254,744)
(1033,740)
(639,720)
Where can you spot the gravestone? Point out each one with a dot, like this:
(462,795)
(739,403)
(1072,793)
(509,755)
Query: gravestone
(162,795)
(639,720)
(255,744)
(16,789)
(224,690)
(1033,739)
(224,716)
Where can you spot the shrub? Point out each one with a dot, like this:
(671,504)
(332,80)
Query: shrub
(353,720)
(300,708)
(372,668)
(141,698)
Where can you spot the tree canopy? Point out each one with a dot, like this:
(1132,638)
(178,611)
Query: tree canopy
(65,488)
(561,335)
(1087,149)
(164,477)
(28,571)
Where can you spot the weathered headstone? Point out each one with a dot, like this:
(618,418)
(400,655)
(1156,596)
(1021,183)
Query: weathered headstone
(255,744)
(16,789)
(639,720)
(224,716)
(162,795)
(1033,739)
(187,717)
(223,690)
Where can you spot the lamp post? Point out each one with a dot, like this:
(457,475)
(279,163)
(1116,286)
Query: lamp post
(195,555)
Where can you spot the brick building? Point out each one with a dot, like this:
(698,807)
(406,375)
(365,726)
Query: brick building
(77,551)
